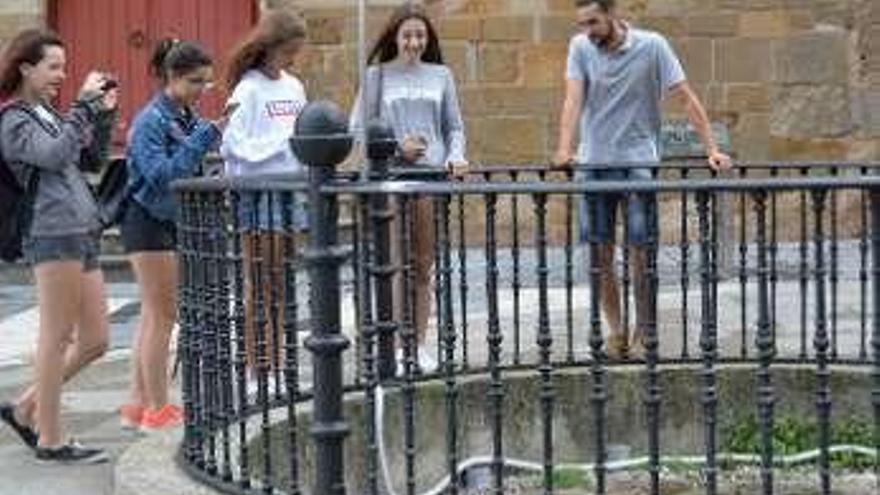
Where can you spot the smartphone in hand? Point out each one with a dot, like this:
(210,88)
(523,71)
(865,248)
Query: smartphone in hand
(230,108)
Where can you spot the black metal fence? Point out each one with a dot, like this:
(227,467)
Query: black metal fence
(766,268)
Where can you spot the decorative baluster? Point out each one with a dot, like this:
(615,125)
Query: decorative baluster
(875,306)
(652,347)
(821,345)
(834,276)
(238,319)
(569,271)
(599,392)
(408,204)
(708,346)
(684,248)
(494,338)
(448,366)
(863,274)
(290,263)
(803,269)
(766,344)
(368,340)
(226,409)
(517,284)
(743,271)
(545,342)
(462,281)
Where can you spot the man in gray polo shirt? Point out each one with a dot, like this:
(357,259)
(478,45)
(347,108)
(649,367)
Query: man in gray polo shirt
(617,77)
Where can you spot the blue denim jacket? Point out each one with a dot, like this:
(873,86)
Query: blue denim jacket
(166,144)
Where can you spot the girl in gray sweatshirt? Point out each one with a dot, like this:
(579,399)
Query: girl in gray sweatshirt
(410,88)
(62,240)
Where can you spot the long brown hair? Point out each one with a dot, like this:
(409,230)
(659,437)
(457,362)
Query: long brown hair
(385,49)
(274,29)
(28,47)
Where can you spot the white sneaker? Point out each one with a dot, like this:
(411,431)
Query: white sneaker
(282,381)
(253,386)
(426,361)
(399,362)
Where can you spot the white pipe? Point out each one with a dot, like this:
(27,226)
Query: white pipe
(621,465)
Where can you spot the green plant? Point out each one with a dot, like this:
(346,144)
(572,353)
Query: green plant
(792,435)
(563,479)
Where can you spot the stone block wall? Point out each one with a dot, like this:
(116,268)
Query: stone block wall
(20,14)
(793,79)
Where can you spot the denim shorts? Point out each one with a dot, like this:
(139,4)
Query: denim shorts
(265,211)
(78,247)
(641,217)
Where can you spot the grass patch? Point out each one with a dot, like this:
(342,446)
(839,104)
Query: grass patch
(792,435)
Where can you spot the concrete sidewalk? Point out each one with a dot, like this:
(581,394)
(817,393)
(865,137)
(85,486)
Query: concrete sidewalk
(90,401)
(89,414)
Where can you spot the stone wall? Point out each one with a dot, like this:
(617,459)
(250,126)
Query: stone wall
(793,79)
(20,14)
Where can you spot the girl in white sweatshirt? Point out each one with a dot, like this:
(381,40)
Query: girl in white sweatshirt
(264,105)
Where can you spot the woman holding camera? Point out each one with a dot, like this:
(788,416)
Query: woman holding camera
(46,151)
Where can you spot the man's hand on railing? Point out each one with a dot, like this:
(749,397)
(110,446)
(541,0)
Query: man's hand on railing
(562,159)
(719,161)
(458,168)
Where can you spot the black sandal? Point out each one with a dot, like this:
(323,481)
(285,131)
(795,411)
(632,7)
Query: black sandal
(25,432)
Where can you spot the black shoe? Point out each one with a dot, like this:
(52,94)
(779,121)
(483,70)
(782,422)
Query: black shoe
(72,453)
(25,432)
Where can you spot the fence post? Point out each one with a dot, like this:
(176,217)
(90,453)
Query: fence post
(381,147)
(322,141)
(875,337)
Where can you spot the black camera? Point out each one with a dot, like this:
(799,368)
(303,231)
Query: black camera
(109,84)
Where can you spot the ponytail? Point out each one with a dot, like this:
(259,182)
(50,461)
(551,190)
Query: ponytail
(174,57)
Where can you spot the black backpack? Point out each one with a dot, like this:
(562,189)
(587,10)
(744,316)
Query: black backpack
(113,193)
(16,198)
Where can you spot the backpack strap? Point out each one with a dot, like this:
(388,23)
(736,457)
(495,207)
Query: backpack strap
(374,93)
(26,184)
(30,174)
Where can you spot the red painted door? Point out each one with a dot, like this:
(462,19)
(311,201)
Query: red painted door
(119,37)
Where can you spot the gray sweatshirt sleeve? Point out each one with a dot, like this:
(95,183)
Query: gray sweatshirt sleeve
(96,154)
(453,123)
(24,140)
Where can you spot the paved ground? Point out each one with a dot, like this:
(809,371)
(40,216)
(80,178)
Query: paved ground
(90,402)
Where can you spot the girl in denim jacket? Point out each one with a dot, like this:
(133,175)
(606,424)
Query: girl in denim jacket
(168,142)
